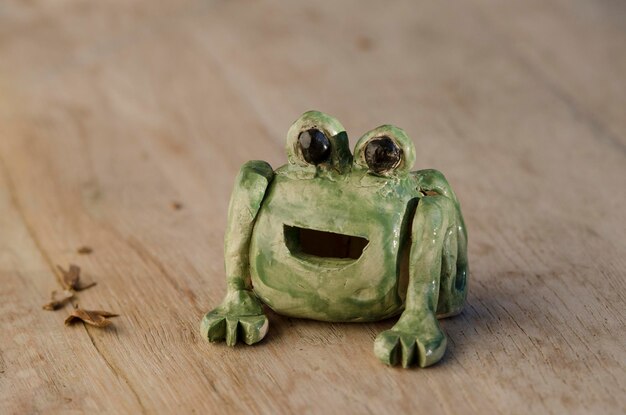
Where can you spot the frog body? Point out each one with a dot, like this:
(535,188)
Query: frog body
(330,288)
(336,237)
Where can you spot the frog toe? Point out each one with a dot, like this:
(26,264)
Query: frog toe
(253,328)
(409,346)
(431,351)
(213,327)
(386,347)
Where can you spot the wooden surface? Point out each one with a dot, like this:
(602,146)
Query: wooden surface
(111,111)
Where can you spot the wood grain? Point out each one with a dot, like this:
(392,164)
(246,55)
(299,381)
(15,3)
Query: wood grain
(110,112)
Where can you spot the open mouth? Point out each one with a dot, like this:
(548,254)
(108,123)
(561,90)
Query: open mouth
(310,243)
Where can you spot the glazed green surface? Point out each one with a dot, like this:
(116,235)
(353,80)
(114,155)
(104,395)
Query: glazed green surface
(415,258)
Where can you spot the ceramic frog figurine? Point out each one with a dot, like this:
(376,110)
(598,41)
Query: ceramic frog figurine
(339,237)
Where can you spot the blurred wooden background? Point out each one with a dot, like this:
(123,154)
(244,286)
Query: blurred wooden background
(111,112)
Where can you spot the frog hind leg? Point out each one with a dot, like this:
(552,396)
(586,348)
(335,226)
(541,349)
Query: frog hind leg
(240,316)
(438,272)
(454,270)
(417,336)
(455,266)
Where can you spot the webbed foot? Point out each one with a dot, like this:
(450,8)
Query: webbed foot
(413,339)
(239,317)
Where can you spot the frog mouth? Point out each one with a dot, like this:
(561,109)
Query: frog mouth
(311,244)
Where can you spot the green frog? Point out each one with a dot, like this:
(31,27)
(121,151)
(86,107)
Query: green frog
(344,237)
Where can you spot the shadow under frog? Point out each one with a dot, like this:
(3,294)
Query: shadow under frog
(339,237)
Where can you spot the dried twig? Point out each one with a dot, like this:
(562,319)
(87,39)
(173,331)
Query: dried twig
(85,250)
(84,287)
(71,279)
(57,303)
(97,318)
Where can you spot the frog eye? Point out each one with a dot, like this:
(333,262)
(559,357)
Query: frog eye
(314,146)
(382,154)
(318,140)
(385,151)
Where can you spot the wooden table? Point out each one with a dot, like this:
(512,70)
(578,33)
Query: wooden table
(112,113)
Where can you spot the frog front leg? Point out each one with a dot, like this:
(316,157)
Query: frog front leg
(417,335)
(240,316)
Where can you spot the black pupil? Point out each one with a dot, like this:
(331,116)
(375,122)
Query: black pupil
(314,145)
(382,154)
